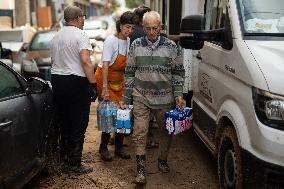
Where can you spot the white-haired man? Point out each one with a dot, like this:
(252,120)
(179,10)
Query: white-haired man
(154,78)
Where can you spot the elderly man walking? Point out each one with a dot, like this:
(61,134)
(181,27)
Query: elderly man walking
(72,76)
(154,78)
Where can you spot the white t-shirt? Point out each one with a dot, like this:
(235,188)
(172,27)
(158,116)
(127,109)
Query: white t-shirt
(65,51)
(110,51)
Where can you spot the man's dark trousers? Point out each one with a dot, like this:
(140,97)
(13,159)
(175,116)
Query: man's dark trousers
(72,102)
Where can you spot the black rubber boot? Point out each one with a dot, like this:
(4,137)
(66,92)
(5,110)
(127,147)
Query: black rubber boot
(163,166)
(151,143)
(75,149)
(105,155)
(141,172)
(74,160)
(119,149)
(111,139)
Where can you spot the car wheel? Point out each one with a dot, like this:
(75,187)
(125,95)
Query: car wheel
(229,160)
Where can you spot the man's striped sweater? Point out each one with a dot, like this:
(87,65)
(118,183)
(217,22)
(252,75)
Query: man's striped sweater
(154,76)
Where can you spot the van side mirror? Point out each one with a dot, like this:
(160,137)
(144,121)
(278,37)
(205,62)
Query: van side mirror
(190,25)
(194,33)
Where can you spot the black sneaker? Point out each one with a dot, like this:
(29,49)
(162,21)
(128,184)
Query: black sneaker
(163,166)
(81,169)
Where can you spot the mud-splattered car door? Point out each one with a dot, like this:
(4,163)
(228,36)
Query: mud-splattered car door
(19,128)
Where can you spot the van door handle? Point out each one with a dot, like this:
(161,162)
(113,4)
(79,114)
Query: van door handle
(4,125)
(198,56)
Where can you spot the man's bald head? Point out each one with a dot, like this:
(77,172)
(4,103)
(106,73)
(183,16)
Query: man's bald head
(71,13)
(73,16)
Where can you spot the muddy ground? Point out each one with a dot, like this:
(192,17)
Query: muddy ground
(192,166)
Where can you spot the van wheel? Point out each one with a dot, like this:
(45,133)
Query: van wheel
(229,160)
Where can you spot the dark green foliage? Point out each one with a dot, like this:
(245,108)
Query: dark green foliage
(114,5)
(133,3)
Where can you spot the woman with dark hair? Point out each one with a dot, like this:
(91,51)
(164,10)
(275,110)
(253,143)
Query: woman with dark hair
(138,31)
(110,76)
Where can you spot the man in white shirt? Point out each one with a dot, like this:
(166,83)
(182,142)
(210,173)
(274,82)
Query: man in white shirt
(72,78)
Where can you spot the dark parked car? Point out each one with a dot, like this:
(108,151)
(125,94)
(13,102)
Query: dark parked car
(26,114)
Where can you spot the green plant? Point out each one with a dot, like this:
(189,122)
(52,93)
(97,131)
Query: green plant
(133,3)
(114,5)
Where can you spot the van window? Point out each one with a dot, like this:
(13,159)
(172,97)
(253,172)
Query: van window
(262,16)
(215,14)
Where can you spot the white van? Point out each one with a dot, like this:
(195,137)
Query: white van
(238,100)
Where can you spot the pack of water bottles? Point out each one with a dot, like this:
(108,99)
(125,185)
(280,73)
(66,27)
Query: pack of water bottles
(106,116)
(124,120)
(178,120)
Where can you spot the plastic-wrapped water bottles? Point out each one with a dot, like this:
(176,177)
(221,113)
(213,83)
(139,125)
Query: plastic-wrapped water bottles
(99,117)
(113,114)
(123,122)
(178,120)
(100,114)
(106,116)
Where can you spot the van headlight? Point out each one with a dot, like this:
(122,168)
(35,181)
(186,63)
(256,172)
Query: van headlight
(269,108)
(274,109)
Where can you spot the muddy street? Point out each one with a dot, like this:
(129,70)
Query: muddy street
(192,166)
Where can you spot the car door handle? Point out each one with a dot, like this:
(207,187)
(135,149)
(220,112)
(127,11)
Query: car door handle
(5,124)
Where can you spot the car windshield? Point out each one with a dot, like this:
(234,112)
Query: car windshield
(42,41)
(94,25)
(262,17)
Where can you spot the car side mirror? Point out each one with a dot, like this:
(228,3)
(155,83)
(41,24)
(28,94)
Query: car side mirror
(25,47)
(36,85)
(93,45)
(99,38)
(104,25)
